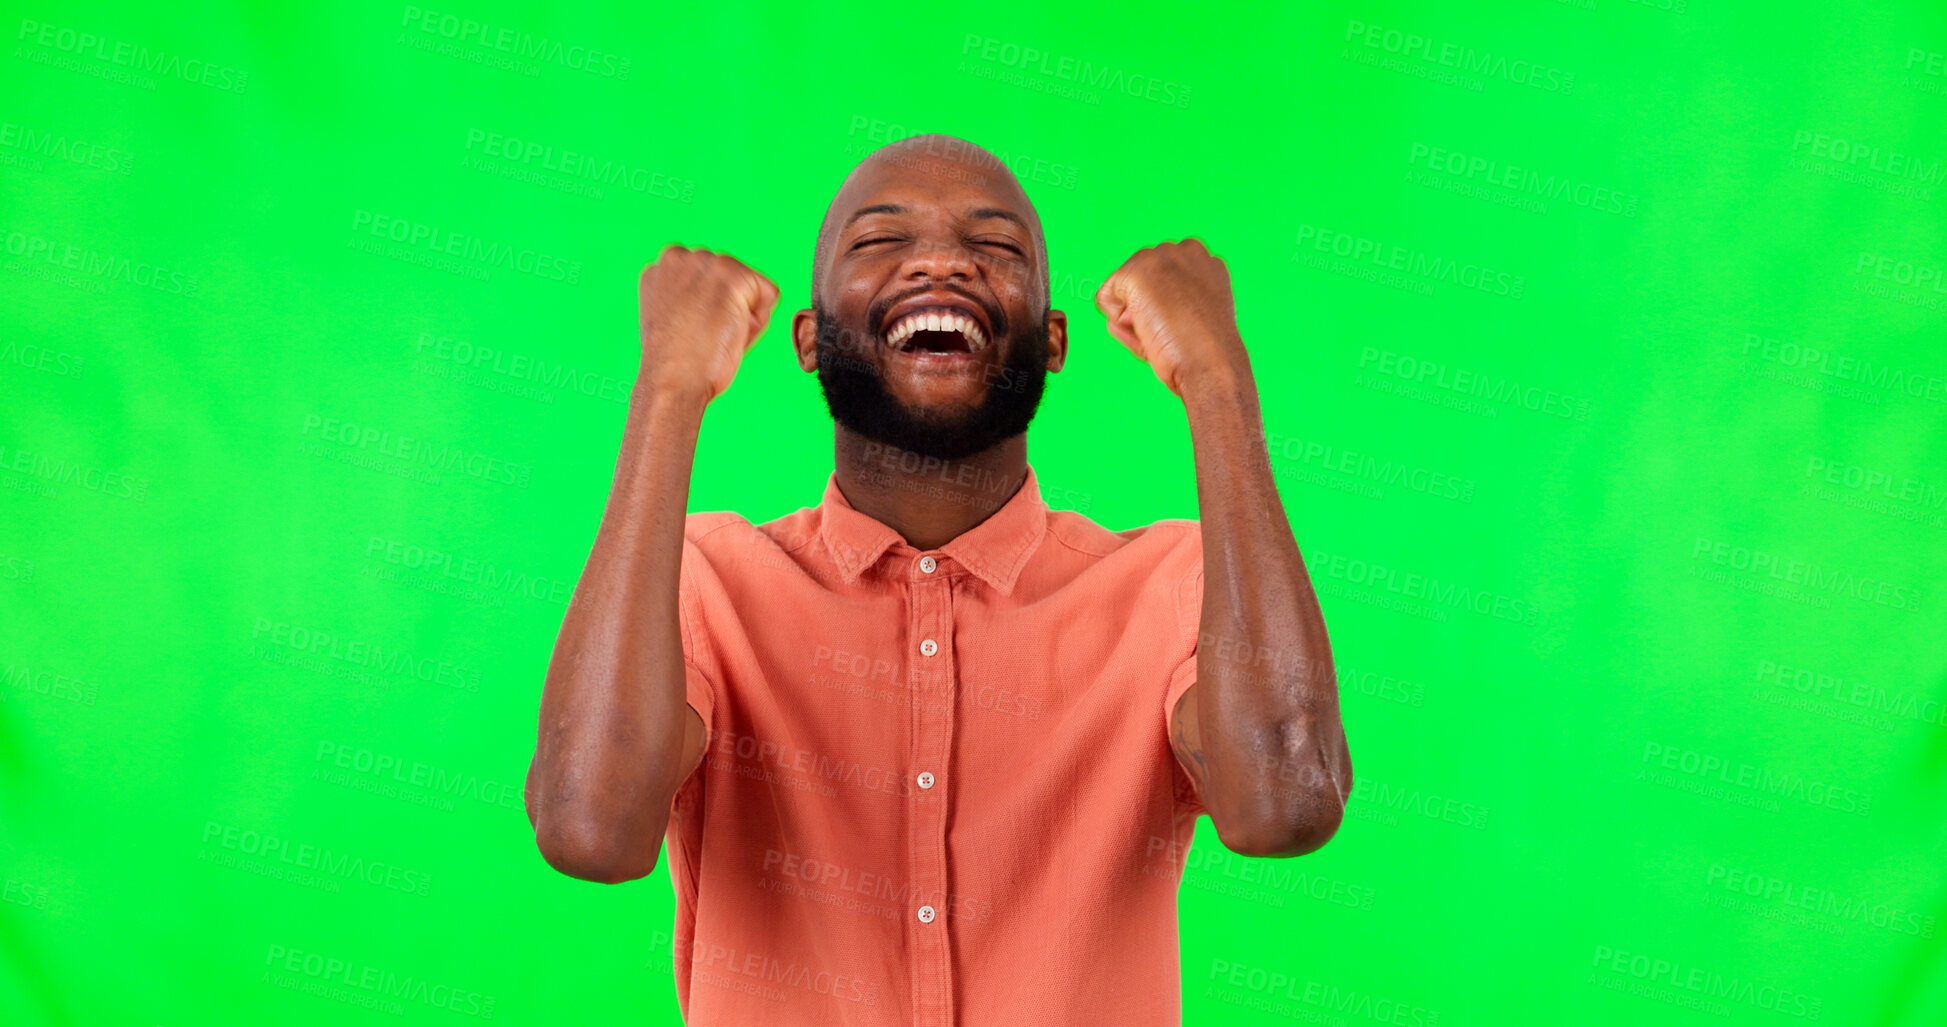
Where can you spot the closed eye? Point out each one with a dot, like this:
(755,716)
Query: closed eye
(875,241)
(1002,243)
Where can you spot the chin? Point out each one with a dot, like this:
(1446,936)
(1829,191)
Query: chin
(860,399)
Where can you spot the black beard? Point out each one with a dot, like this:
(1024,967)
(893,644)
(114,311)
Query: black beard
(855,392)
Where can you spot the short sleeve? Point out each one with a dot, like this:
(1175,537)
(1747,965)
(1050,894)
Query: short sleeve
(701,669)
(1188,597)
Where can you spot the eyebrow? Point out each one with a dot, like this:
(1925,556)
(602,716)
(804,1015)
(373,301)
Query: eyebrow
(981,214)
(986,213)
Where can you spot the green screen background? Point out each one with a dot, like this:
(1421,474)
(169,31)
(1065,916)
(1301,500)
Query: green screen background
(1617,445)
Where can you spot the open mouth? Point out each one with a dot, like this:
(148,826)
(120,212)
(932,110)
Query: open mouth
(936,330)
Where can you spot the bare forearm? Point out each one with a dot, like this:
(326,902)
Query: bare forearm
(612,711)
(1276,761)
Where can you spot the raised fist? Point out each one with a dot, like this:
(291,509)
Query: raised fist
(701,311)
(1171,305)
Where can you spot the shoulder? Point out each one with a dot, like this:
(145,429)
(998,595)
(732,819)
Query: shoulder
(726,546)
(1169,540)
(1165,554)
(1162,562)
(719,530)
(698,526)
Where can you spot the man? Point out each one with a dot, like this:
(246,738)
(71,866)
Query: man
(929,752)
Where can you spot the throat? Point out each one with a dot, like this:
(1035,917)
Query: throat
(928,501)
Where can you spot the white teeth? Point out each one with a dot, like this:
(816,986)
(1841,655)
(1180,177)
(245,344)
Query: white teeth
(935,322)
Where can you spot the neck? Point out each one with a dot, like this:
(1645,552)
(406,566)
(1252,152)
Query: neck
(927,500)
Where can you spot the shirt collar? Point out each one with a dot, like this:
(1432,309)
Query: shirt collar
(995,550)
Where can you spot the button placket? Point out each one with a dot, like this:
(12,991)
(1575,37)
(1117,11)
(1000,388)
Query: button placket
(932,683)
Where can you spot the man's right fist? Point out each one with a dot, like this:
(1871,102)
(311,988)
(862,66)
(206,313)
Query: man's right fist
(701,311)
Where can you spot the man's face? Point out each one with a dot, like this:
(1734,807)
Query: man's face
(930,330)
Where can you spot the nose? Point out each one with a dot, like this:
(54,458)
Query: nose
(939,260)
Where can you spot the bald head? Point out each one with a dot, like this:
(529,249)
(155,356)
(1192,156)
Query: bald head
(932,164)
(935,231)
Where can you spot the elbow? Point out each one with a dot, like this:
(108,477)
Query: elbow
(1295,836)
(1284,818)
(586,840)
(1285,823)
(588,853)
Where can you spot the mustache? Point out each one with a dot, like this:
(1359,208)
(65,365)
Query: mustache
(846,354)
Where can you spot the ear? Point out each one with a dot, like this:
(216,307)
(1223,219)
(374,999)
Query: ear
(804,339)
(1057,339)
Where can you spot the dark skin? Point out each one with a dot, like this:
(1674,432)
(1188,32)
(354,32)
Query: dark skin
(1259,733)
(951,234)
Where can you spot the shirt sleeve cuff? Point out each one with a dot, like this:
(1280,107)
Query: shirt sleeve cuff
(702,697)
(1181,679)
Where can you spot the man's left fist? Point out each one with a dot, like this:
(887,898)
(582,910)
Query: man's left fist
(1171,305)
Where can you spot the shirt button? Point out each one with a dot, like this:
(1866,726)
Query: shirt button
(926,914)
(928,564)
(926,779)
(929,647)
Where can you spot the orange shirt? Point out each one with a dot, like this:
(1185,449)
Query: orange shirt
(938,787)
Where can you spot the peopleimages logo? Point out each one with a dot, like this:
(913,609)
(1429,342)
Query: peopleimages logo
(40,250)
(360,653)
(1793,571)
(1703,982)
(488,575)
(434,26)
(1926,277)
(577,166)
(79,152)
(1412,46)
(304,856)
(721,966)
(1432,267)
(1853,693)
(1366,469)
(438,456)
(61,471)
(1276,991)
(47,683)
(1527,182)
(1071,69)
(417,235)
(510,368)
(375,982)
(826,874)
(1427,588)
(1817,361)
(1760,782)
(1868,157)
(1473,383)
(131,56)
(1796,896)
